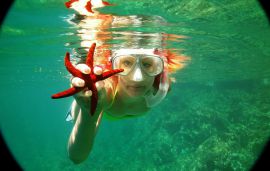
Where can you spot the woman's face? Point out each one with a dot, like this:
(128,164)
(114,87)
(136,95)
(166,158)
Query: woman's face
(139,73)
(136,83)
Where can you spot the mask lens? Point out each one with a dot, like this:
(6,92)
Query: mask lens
(152,65)
(124,62)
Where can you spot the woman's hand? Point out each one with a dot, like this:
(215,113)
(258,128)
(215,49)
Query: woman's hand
(83,97)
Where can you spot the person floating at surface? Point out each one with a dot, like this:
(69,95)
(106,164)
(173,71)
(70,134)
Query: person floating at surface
(142,85)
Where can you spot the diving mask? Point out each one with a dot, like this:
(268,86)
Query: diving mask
(150,64)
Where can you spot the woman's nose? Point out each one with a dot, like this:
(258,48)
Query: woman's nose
(137,75)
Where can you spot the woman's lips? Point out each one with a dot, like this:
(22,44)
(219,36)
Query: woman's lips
(136,87)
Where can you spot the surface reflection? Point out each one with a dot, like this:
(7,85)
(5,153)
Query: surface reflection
(112,32)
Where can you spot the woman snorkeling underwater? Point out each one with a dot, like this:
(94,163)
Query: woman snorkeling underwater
(129,94)
(143,83)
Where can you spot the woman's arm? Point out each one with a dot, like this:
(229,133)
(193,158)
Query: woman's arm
(82,136)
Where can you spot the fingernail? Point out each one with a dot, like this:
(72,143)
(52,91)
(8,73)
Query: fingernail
(98,70)
(86,70)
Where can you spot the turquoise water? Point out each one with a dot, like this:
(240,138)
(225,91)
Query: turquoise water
(216,116)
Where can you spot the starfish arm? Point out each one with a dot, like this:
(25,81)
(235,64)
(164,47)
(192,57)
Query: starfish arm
(94,100)
(90,56)
(74,71)
(69,92)
(110,73)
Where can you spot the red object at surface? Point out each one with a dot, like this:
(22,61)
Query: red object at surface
(68,4)
(88,7)
(90,79)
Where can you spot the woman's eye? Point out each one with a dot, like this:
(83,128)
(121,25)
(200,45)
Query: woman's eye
(127,63)
(147,65)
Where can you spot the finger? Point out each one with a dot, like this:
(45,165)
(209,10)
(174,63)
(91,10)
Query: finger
(83,68)
(88,93)
(100,85)
(98,70)
(77,82)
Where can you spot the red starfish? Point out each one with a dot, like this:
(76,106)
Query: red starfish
(90,79)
